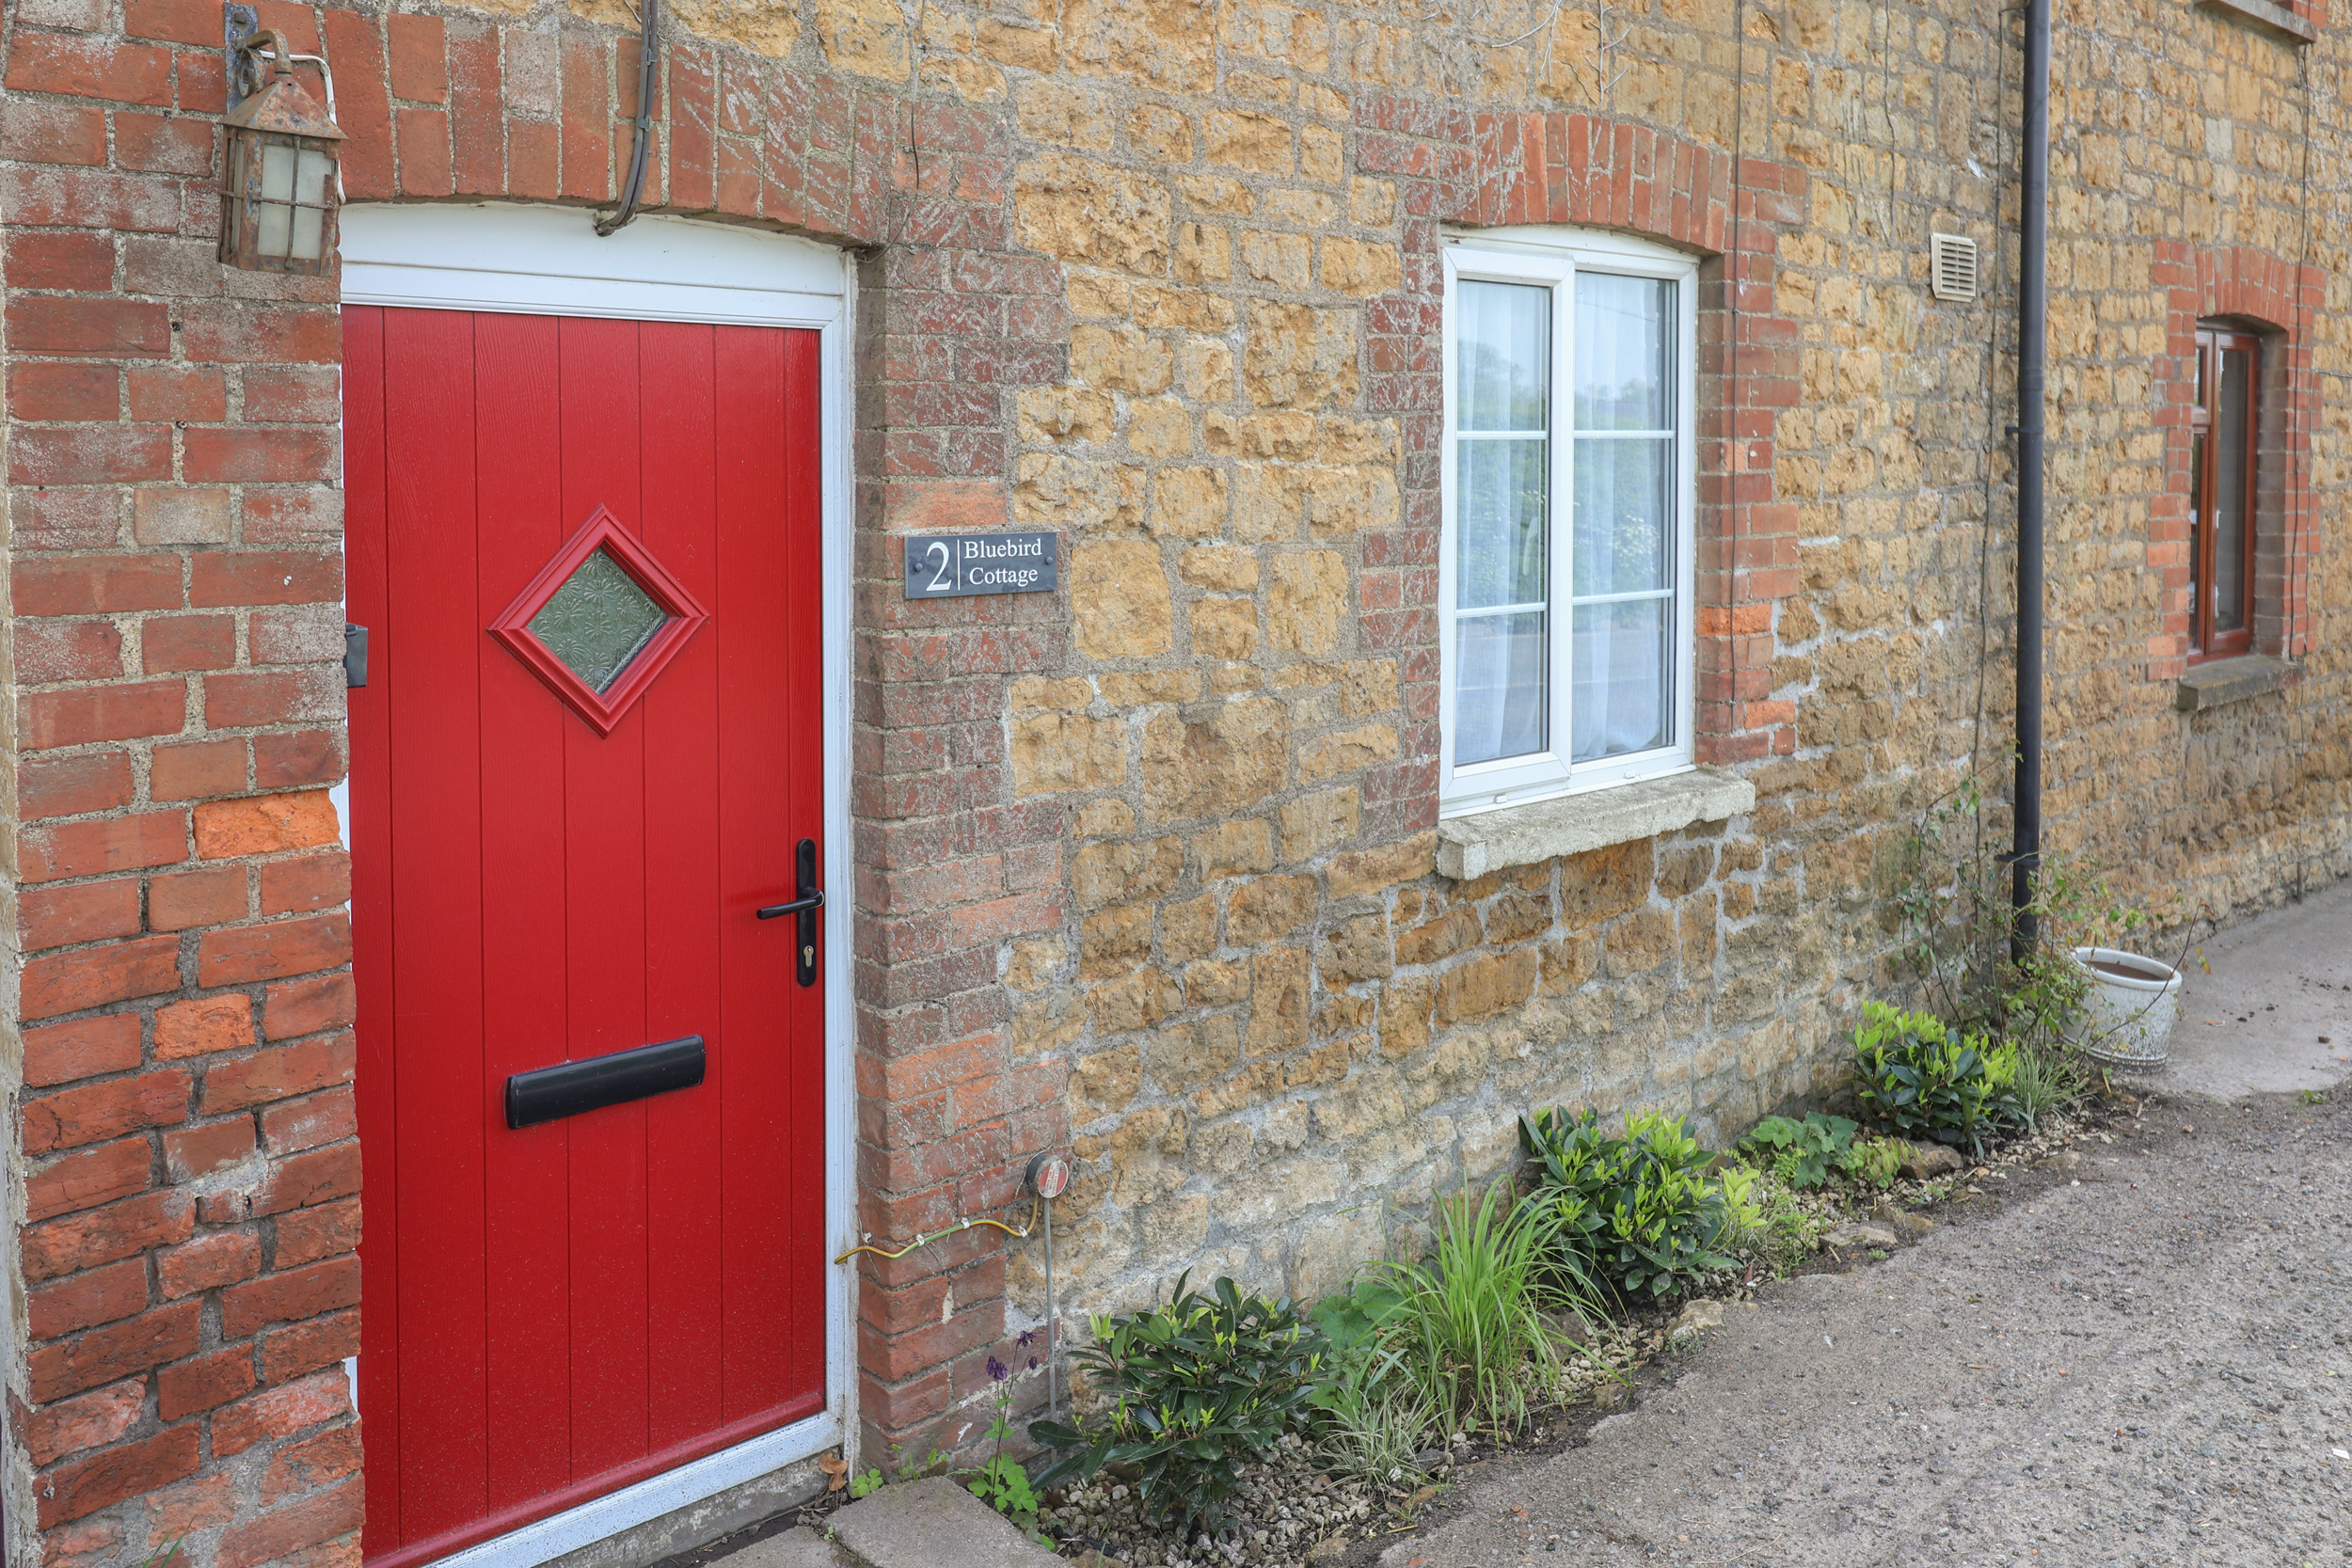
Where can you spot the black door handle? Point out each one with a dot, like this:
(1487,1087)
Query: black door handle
(808,898)
(813,901)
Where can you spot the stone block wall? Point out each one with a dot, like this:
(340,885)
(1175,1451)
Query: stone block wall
(1143,868)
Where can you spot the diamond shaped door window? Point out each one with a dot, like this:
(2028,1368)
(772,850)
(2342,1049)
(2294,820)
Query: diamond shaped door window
(600,622)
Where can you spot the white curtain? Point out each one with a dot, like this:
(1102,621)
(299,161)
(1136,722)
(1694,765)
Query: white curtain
(1499,688)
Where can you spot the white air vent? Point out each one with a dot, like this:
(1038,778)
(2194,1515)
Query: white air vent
(1955,261)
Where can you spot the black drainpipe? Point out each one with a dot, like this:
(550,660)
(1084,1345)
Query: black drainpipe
(2032,358)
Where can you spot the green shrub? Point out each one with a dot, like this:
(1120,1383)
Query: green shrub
(1198,1389)
(1873,1162)
(1469,1327)
(1776,1229)
(1801,1153)
(1922,1078)
(1640,1213)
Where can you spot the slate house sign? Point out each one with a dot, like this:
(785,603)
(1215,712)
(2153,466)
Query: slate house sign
(942,565)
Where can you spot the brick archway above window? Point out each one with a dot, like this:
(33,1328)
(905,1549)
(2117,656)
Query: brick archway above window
(2277,298)
(1483,170)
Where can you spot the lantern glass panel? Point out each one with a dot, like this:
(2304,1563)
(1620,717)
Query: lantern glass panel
(278,203)
(272,226)
(310,177)
(278,172)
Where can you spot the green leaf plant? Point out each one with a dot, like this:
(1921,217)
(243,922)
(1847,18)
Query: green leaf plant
(1802,1154)
(1641,1212)
(1922,1078)
(1003,1482)
(1197,1388)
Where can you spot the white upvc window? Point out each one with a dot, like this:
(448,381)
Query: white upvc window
(1564,578)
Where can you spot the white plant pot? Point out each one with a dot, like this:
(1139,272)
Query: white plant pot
(2129,1011)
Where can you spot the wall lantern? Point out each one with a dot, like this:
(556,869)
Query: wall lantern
(279,200)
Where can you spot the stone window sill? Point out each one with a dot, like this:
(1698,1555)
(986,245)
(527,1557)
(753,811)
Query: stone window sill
(1470,847)
(2269,13)
(2233,680)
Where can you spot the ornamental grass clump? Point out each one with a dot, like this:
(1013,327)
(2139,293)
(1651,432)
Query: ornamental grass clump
(1197,1388)
(1369,1420)
(2048,1082)
(1643,1213)
(1472,1324)
(1926,1081)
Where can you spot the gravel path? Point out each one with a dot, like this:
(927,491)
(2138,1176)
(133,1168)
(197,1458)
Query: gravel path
(2140,1357)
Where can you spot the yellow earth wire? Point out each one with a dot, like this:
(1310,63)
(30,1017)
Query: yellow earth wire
(1036,1203)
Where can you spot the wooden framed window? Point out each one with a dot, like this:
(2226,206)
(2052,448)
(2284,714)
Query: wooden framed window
(1570,484)
(2223,463)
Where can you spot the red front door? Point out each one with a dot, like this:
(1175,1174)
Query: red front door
(561,829)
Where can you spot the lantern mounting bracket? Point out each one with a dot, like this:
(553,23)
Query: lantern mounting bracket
(238,23)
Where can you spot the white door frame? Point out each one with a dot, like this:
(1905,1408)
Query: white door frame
(549,260)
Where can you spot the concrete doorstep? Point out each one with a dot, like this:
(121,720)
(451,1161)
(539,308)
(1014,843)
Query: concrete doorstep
(932,1523)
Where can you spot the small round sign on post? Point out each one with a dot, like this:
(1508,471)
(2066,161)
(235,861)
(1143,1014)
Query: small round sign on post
(1049,1176)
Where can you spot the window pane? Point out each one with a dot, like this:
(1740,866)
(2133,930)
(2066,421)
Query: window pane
(1623,696)
(1502,375)
(598,621)
(1624,380)
(2198,524)
(1499,686)
(1499,503)
(1624,527)
(2233,453)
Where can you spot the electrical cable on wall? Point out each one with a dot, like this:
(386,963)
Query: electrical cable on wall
(1047,1179)
(648,71)
(955,1229)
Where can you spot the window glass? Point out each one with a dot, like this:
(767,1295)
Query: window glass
(1567,509)
(1499,708)
(1503,487)
(1504,374)
(1624,672)
(598,621)
(1622,563)
(2233,444)
(2200,522)
(1624,517)
(1623,377)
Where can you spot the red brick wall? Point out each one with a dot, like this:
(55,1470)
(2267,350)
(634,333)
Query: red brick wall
(186,1116)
